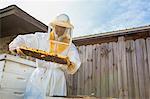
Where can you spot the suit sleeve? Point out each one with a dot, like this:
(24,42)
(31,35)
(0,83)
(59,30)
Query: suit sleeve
(28,40)
(74,58)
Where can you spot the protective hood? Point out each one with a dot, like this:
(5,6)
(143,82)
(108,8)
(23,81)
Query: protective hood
(58,43)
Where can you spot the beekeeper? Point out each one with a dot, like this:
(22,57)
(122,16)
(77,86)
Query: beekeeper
(48,78)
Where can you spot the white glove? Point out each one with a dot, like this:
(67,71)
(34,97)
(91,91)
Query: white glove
(15,44)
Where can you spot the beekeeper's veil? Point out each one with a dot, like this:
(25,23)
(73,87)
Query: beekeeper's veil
(60,34)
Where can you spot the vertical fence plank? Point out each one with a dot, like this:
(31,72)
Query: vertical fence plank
(83,72)
(75,81)
(66,76)
(110,61)
(145,66)
(129,50)
(139,57)
(69,84)
(76,77)
(86,83)
(104,70)
(115,70)
(79,71)
(119,57)
(102,75)
(148,53)
(98,70)
(122,71)
(94,59)
(120,86)
(90,70)
(107,69)
(135,69)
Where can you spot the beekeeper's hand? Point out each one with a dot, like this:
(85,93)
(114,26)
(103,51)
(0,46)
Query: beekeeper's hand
(70,65)
(16,51)
(16,43)
(14,48)
(20,52)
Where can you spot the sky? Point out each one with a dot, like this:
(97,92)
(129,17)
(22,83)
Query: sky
(89,16)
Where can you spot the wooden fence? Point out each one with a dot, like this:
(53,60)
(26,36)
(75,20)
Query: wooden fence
(119,69)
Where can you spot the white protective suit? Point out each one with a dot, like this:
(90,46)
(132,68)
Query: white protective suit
(47,74)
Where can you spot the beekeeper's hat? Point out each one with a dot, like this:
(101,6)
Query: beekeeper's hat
(62,20)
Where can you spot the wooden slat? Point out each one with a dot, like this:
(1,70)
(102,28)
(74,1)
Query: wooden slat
(104,70)
(83,72)
(94,59)
(76,79)
(120,86)
(80,81)
(66,76)
(86,83)
(148,53)
(115,70)
(135,69)
(129,50)
(110,61)
(128,58)
(122,76)
(75,82)
(88,72)
(107,70)
(67,83)
(71,84)
(98,69)
(139,57)
(145,68)
(90,69)
(124,68)
(79,71)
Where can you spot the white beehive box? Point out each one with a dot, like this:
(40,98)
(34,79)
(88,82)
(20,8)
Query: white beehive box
(14,74)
